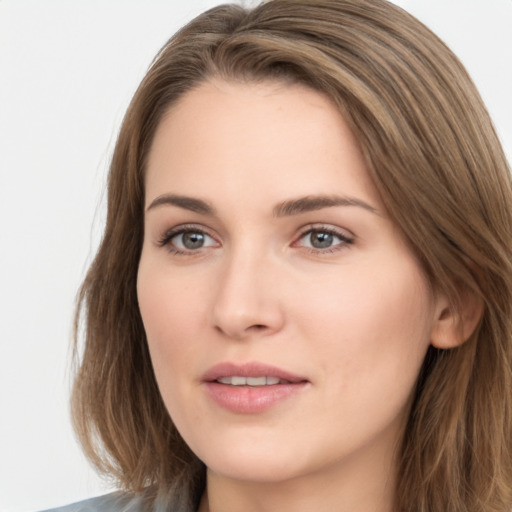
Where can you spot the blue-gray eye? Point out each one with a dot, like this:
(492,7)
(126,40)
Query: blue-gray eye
(191,240)
(323,239)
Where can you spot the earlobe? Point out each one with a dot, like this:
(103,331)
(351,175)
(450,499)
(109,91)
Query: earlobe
(454,325)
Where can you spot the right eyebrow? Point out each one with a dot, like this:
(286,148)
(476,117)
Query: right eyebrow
(188,203)
(318,202)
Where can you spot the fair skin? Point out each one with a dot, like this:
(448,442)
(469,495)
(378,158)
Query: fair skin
(327,291)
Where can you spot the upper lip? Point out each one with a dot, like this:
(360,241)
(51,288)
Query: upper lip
(251,369)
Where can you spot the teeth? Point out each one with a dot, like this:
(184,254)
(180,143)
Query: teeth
(256,381)
(249,381)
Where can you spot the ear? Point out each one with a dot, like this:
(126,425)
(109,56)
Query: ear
(453,325)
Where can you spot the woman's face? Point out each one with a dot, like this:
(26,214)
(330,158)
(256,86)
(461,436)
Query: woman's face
(286,318)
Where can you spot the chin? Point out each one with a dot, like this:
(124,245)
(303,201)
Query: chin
(253,462)
(264,470)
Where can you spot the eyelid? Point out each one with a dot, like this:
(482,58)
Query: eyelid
(165,239)
(346,237)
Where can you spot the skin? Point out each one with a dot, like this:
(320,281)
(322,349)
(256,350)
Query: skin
(354,318)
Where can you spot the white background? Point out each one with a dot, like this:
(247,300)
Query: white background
(67,71)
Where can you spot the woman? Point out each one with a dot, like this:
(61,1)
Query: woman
(302,298)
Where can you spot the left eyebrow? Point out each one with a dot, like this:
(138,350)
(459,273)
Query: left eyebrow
(187,203)
(311,203)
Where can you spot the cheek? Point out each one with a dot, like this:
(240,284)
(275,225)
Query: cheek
(165,311)
(365,298)
(172,317)
(373,328)
(171,314)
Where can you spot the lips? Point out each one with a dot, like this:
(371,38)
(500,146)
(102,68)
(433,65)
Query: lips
(250,370)
(250,388)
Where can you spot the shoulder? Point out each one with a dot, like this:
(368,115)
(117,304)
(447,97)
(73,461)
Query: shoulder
(115,502)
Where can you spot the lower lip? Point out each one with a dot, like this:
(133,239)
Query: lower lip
(251,400)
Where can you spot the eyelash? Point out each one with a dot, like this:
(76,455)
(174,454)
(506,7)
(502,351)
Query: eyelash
(165,240)
(346,240)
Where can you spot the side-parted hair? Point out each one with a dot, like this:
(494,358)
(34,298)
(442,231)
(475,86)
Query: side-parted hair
(437,163)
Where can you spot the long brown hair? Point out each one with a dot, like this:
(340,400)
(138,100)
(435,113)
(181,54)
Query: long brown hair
(435,158)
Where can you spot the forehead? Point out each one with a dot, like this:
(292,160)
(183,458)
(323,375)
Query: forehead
(278,139)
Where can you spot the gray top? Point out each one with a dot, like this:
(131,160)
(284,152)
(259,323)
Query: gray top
(115,502)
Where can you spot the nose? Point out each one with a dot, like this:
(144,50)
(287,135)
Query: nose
(246,303)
